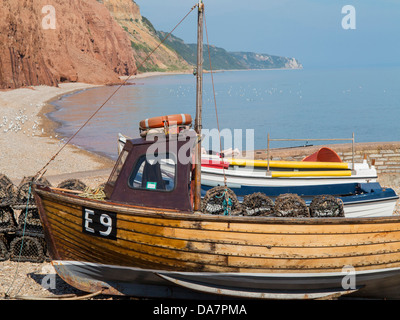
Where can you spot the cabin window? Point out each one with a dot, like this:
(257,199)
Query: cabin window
(117,169)
(154,172)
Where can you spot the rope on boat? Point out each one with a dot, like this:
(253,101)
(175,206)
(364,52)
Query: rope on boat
(215,100)
(96,194)
(42,171)
(226,203)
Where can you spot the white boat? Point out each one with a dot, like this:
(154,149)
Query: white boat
(359,190)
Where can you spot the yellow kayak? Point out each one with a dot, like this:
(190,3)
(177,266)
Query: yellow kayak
(287,164)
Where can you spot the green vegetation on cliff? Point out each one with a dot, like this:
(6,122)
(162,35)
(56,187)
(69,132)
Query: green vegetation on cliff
(224,60)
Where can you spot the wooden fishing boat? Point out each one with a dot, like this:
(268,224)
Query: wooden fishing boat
(148,238)
(124,249)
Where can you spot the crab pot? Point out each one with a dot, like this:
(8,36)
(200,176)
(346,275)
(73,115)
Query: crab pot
(29,221)
(221,201)
(258,204)
(7,191)
(7,220)
(290,205)
(27,249)
(3,248)
(24,193)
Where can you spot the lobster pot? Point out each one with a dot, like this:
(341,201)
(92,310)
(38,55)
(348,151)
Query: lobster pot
(221,201)
(7,191)
(27,249)
(29,221)
(3,248)
(290,205)
(7,220)
(257,204)
(24,193)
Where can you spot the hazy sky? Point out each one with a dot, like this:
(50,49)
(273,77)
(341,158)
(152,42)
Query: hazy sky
(309,30)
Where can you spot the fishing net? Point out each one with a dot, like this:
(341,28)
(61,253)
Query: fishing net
(220,201)
(326,206)
(27,249)
(7,219)
(257,204)
(290,205)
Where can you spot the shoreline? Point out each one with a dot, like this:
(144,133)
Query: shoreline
(28,137)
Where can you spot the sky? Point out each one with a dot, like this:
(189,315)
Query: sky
(315,32)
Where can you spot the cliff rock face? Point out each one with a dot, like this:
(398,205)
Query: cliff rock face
(144,38)
(80,42)
(253,60)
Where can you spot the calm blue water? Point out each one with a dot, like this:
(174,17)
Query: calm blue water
(284,103)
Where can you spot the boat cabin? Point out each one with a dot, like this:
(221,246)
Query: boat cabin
(155,171)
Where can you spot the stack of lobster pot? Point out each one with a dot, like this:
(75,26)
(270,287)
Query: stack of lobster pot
(21,232)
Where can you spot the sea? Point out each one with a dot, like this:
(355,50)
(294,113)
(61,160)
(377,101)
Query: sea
(302,104)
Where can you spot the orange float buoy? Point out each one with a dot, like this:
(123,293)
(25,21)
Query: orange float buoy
(159,122)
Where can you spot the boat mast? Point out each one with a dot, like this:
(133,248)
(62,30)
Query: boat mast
(199,100)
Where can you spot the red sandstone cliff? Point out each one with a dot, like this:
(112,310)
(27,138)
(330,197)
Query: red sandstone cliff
(87,44)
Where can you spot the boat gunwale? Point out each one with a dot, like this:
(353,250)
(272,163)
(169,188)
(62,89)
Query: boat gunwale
(194,216)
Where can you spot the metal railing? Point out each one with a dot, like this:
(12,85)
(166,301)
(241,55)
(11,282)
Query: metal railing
(339,139)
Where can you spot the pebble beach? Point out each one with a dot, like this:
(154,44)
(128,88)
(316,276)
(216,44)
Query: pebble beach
(28,142)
